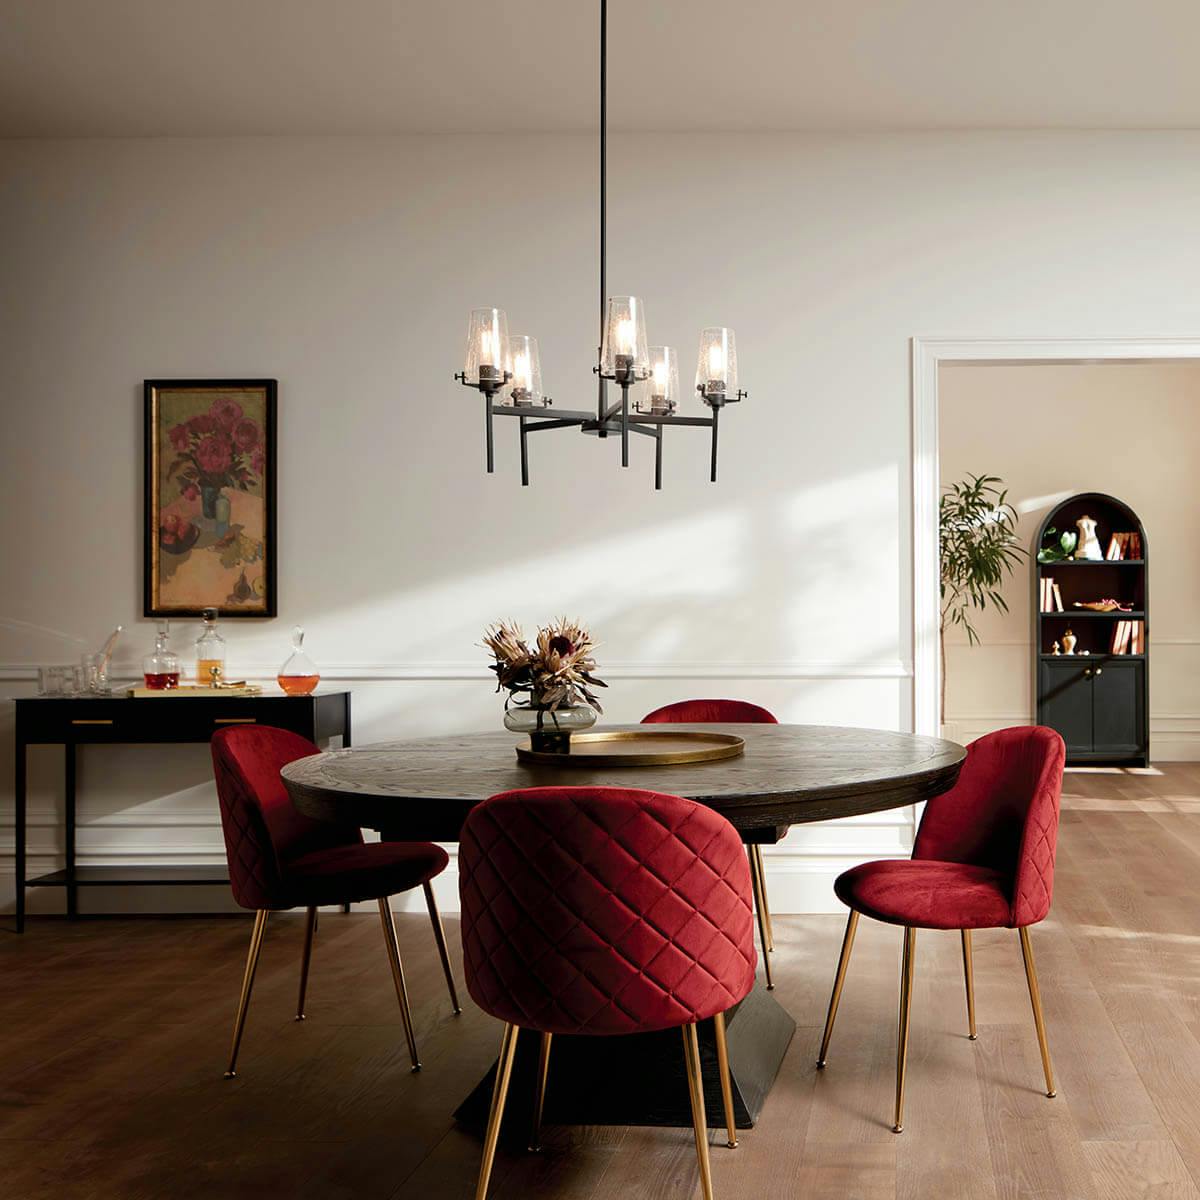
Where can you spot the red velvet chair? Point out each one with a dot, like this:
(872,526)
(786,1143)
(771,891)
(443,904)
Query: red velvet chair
(983,859)
(710,712)
(604,911)
(280,859)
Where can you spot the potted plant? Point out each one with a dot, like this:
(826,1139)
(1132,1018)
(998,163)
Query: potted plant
(550,685)
(978,549)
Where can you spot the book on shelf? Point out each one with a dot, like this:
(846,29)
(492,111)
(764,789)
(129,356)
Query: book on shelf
(1051,596)
(1120,637)
(1123,545)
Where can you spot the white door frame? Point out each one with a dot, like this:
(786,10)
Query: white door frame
(928,353)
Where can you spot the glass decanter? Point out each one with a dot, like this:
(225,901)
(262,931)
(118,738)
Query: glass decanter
(210,652)
(299,675)
(160,670)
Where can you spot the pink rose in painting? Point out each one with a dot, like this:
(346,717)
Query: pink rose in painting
(227,412)
(190,491)
(245,434)
(214,455)
(202,424)
(179,437)
(256,462)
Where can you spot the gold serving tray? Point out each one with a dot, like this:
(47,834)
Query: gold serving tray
(638,748)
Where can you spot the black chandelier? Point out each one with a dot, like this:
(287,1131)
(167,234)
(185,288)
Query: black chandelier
(508,372)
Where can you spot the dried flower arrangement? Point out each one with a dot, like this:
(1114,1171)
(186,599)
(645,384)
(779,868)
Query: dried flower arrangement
(559,673)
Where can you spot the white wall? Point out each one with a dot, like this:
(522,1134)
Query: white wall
(1052,430)
(344,268)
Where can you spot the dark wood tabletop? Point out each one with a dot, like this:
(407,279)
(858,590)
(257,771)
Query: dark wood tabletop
(789,775)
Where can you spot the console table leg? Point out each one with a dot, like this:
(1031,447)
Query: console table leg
(19,822)
(69,832)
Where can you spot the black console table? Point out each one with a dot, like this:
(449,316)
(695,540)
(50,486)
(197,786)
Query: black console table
(72,722)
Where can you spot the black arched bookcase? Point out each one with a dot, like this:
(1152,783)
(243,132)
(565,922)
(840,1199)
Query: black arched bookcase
(1097,697)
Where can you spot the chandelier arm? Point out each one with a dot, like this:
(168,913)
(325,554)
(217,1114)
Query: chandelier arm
(716,412)
(491,445)
(524,454)
(624,424)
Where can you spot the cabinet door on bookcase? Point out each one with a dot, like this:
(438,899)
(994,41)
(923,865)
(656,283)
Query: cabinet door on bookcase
(1118,721)
(1066,702)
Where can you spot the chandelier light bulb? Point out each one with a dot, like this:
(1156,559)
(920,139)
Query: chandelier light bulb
(716,367)
(526,370)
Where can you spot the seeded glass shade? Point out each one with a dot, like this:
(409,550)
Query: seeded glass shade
(487,343)
(716,367)
(623,353)
(662,388)
(526,368)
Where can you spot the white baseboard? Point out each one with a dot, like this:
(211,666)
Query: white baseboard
(1174,737)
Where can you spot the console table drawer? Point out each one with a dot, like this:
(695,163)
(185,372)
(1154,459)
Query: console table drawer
(177,719)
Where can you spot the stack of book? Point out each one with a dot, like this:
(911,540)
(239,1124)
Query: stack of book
(1129,637)
(1051,596)
(1124,545)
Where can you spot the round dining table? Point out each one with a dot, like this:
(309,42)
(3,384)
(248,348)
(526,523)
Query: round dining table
(422,789)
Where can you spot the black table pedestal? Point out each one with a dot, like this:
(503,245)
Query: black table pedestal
(640,1079)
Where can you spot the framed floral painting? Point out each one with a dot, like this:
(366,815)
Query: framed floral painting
(210,497)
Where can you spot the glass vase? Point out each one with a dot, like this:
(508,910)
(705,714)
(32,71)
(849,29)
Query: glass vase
(549,729)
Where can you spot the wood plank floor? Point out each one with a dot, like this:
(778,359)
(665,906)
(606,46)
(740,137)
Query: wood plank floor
(113,1035)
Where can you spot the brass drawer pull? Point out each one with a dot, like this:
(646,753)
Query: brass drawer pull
(92,721)
(235,720)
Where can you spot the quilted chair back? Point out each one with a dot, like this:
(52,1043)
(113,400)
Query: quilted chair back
(707,712)
(603,910)
(262,828)
(1003,814)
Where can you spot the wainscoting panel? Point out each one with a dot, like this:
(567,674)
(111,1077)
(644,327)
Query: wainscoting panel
(150,804)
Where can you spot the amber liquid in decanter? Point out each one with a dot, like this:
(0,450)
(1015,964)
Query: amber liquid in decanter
(299,675)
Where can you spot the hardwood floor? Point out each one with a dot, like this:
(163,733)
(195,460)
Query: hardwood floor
(113,1037)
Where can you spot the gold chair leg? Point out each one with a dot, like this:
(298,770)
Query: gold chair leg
(239,1023)
(906,982)
(838,980)
(439,936)
(969,976)
(310,927)
(760,907)
(539,1093)
(393,953)
(691,1056)
(726,1083)
(759,874)
(1035,997)
(508,1049)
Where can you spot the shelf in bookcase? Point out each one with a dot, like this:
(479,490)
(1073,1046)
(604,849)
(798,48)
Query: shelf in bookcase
(1089,657)
(1095,562)
(1071,613)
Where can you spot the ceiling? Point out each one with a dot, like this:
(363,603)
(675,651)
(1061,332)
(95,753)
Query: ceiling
(130,68)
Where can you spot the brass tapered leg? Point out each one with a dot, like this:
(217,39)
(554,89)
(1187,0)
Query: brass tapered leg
(969,976)
(508,1049)
(393,953)
(239,1023)
(838,980)
(1035,997)
(310,927)
(726,1084)
(758,877)
(539,1093)
(906,981)
(439,936)
(760,908)
(691,1056)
